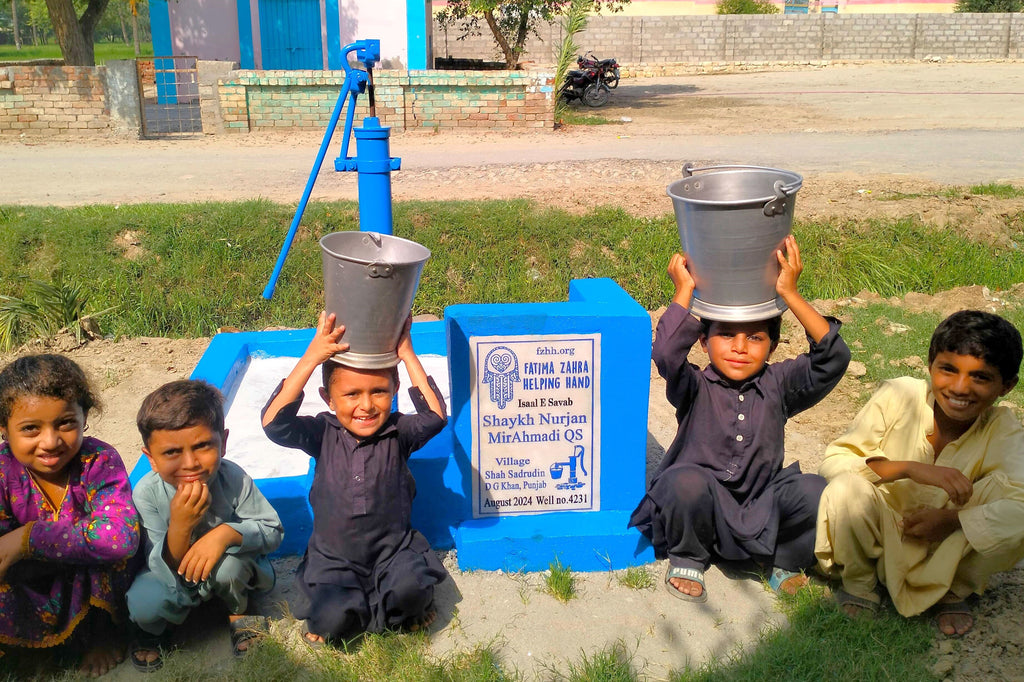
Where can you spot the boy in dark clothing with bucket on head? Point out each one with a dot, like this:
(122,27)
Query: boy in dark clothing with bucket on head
(365,568)
(721,491)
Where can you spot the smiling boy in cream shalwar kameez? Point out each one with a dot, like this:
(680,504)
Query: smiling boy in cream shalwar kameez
(926,489)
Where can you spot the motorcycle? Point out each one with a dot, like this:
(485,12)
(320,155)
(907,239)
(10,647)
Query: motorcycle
(587,86)
(609,68)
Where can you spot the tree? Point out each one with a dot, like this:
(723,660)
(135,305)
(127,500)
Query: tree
(510,21)
(74,33)
(988,6)
(746,7)
(14,24)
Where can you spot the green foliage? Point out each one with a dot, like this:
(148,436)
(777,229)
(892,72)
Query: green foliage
(510,22)
(998,190)
(575,20)
(612,664)
(559,581)
(988,6)
(745,7)
(46,308)
(637,578)
(104,52)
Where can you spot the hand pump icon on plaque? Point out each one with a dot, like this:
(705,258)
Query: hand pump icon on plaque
(575,460)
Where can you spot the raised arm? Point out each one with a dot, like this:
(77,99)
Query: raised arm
(790,268)
(325,343)
(416,372)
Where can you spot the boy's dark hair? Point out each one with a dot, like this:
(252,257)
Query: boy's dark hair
(179,405)
(774,325)
(46,375)
(327,370)
(983,335)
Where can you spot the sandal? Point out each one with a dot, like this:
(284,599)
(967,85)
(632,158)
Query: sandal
(246,629)
(867,607)
(778,578)
(951,608)
(144,642)
(693,574)
(311,643)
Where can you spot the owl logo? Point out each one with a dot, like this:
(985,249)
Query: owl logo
(501,371)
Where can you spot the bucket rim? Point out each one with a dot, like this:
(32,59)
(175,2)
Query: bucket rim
(382,237)
(797,183)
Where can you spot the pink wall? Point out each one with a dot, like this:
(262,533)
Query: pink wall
(207,29)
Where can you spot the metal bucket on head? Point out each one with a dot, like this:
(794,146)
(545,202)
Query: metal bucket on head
(370,281)
(731,221)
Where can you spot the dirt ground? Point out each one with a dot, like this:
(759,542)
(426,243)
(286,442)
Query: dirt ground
(568,169)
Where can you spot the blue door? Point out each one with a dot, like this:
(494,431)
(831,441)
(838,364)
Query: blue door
(290,34)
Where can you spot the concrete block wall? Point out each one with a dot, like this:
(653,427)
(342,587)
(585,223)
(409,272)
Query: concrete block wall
(641,42)
(47,100)
(260,100)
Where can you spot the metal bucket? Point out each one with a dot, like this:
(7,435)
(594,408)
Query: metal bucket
(731,221)
(370,281)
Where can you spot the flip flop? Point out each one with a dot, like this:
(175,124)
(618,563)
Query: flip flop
(952,608)
(694,574)
(143,641)
(314,645)
(780,576)
(246,629)
(868,608)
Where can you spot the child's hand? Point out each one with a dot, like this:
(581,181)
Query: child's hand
(10,548)
(404,348)
(682,279)
(957,486)
(325,341)
(790,268)
(189,504)
(930,525)
(203,555)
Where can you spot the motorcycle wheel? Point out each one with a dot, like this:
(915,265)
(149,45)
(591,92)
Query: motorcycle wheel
(611,79)
(596,95)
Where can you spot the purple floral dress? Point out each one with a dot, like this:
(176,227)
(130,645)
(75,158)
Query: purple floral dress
(78,556)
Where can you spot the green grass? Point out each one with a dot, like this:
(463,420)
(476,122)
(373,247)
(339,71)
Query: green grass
(573,117)
(820,643)
(637,578)
(559,582)
(203,266)
(104,52)
(1002,191)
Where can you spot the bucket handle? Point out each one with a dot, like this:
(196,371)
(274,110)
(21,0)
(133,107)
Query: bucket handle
(774,206)
(377,269)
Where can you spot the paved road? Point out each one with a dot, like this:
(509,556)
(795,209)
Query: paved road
(955,123)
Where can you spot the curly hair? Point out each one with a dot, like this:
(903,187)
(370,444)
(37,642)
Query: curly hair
(47,375)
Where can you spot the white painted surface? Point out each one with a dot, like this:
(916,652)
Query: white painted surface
(249,447)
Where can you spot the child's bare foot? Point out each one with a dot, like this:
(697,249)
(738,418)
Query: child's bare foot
(794,584)
(953,616)
(687,587)
(424,621)
(101,658)
(312,640)
(245,631)
(854,606)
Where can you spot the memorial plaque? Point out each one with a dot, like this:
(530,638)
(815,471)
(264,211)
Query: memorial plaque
(536,407)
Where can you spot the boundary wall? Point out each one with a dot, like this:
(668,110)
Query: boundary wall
(44,100)
(261,100)
(639,41)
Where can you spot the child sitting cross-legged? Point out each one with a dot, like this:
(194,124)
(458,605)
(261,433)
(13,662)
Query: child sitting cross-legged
(208,527)
(365,568)
(926,488)
(721,491)
(68,529)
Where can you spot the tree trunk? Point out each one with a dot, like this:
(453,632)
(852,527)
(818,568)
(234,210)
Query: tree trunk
(124,29)
(510,56)
(135,34)
(35,34)
(74,34)
(14,19)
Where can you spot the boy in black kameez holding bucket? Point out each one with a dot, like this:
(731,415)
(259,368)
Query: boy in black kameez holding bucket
(365,568)
(721,491)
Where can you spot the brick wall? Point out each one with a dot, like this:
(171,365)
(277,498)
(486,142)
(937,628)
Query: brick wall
(639,42)
(260,100)
(43,100)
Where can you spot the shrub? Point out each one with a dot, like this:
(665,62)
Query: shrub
(763,6)
(988,6)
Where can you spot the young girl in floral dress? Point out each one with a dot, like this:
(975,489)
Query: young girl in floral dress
(68,529)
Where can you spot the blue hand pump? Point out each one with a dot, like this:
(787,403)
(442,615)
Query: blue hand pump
(372,162)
